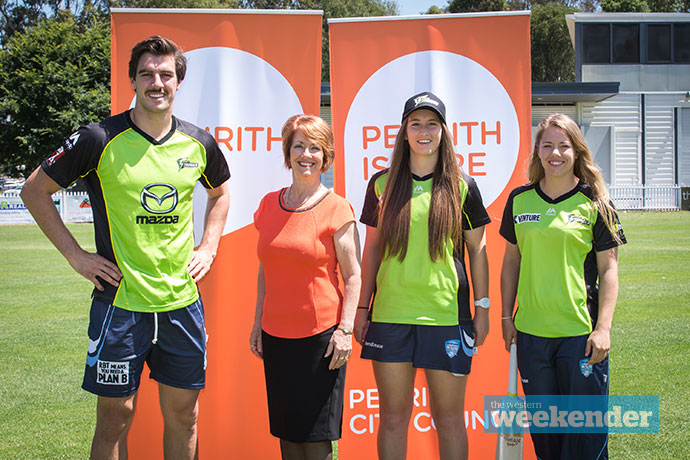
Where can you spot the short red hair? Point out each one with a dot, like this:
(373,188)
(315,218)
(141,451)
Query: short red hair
(314,128)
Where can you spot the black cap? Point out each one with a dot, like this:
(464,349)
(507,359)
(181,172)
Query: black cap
(425,100)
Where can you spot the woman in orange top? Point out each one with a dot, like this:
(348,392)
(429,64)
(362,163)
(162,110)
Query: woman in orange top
(303,323)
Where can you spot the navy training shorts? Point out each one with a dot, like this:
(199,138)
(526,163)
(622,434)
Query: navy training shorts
(446,348)
(172,343)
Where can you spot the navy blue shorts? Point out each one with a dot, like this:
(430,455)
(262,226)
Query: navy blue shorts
(172,343)
(558,366)
(446,348)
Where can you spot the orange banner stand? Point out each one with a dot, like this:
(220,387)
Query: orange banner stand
(479,65)
(248,71)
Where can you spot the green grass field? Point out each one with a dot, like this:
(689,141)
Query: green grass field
(44,315)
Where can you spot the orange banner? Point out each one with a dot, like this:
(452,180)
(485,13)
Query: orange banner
(479,65)
(248,71)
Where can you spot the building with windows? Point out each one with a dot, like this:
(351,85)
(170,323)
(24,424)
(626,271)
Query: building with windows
(646,125)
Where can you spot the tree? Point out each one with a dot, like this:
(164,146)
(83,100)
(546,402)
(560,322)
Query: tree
(16,16)
(643,6)
(175,3)
(433,9)
(553,56)
(54,77)
(471,6)
(619,6)
(271,5)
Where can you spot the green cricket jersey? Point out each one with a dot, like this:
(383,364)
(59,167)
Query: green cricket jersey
(557,289)
(417,290)
(141,196)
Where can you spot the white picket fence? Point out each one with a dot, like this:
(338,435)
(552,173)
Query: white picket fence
(73,207)
(646,197)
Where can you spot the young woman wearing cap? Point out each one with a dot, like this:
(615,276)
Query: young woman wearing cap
(561,227)
(420,214)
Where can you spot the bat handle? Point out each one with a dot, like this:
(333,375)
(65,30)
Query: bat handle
(512,370)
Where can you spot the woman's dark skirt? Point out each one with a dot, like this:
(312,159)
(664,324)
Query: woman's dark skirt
(305,398)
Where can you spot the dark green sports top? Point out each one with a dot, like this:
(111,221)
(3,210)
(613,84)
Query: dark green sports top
(141,196)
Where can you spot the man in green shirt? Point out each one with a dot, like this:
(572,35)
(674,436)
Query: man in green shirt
(140,168)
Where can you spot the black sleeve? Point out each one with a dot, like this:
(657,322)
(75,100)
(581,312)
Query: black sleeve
(603,238)
(474,213)
(217,171)
(77,156)
(507,229)
(370,209)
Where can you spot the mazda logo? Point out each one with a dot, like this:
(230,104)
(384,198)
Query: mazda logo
(153,197)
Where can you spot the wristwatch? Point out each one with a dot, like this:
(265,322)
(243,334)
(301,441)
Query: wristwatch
(345,330)
(484,302)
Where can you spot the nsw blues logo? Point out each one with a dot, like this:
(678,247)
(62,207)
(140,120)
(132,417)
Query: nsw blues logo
(452,348)
(585,367)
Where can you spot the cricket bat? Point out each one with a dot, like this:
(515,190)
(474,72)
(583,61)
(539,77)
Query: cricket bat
(509,445)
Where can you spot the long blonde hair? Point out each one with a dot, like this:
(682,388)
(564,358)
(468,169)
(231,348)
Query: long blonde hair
(584,167)
(445,209)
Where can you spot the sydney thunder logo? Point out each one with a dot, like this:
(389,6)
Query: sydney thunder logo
(184,163)
(424,98)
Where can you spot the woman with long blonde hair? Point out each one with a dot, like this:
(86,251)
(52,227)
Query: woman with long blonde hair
(420,214)
(561,263)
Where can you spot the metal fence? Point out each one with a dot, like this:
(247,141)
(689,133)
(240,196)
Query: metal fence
(646,197)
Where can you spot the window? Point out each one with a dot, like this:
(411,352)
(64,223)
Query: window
(659,43)
(621,43)
(681,43)
(626,43)
(596,44)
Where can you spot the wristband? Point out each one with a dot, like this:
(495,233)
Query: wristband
(506,317)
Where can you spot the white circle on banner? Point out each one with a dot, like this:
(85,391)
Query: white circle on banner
(237,95)
(479,112)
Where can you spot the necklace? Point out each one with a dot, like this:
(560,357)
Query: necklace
(295,202)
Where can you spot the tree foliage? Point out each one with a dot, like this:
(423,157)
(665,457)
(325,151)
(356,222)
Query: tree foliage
(553,56)
(643,6)
(175,3)
(619,6)
(472,6)
(433,9)
(16,16)
(53,78)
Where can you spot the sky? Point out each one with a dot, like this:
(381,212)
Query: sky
(412,7)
